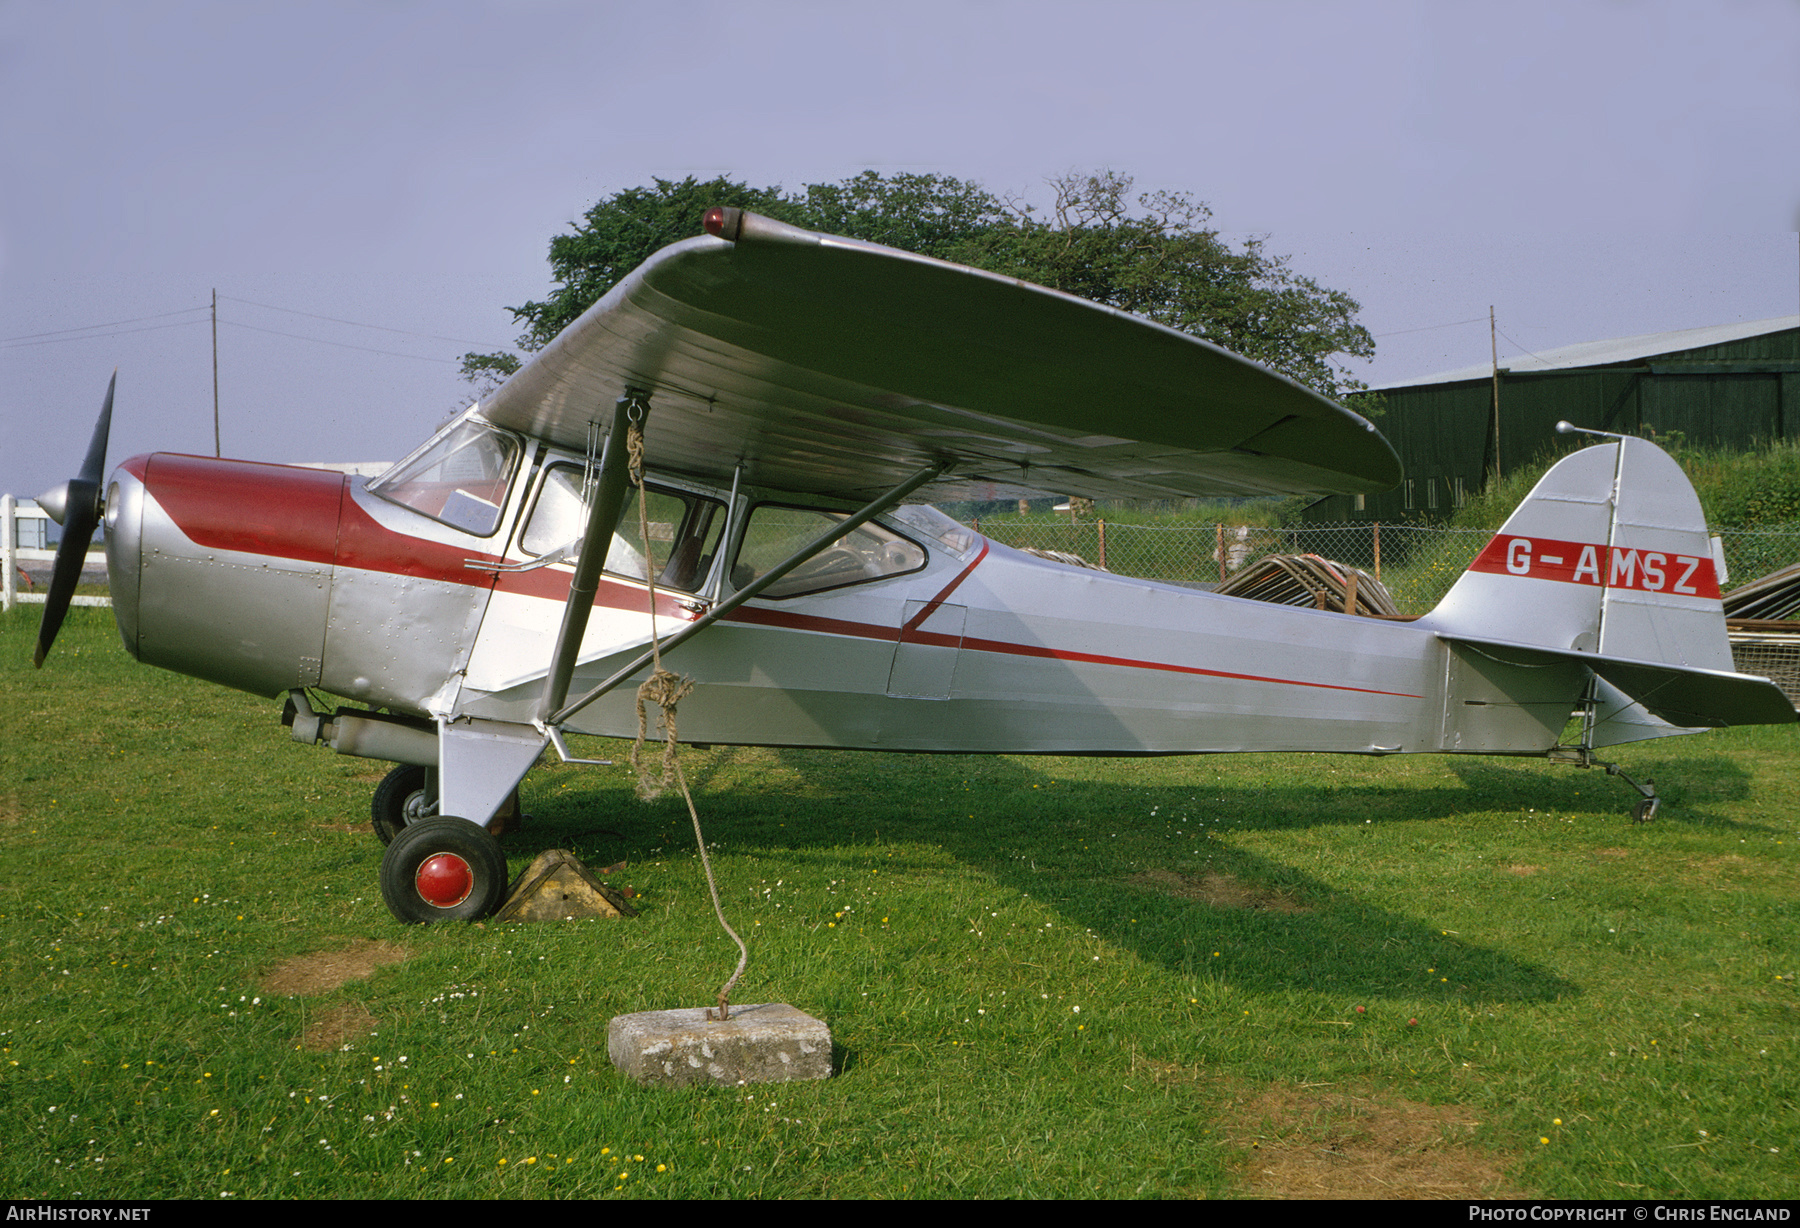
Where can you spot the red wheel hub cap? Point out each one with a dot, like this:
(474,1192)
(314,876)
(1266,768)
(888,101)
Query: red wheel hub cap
(444,880)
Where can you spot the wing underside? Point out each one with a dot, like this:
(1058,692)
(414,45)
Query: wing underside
(833,366)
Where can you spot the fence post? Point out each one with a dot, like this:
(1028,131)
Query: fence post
(1221,552)
(9,553)
(1102,545)
(1377,551)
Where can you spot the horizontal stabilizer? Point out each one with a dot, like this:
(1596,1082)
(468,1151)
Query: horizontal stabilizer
(1682,695)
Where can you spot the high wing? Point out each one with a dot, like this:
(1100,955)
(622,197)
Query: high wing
(829,365)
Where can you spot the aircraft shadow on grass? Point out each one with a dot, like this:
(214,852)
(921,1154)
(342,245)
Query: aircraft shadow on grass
(1274,927)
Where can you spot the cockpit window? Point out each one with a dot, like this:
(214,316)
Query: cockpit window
(684,530)
(859,556)
(458,478)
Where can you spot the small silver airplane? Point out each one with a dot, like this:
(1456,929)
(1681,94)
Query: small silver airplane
(791,392)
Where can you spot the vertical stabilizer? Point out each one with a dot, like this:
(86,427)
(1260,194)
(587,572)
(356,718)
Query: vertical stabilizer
(1606,565)
(1608,554)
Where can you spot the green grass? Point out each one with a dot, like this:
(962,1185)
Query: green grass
(167,846)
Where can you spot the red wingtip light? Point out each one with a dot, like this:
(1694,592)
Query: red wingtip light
(723,222)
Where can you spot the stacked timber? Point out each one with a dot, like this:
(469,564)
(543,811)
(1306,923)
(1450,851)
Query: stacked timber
(1776,595)
(1308,580)
(1761,643)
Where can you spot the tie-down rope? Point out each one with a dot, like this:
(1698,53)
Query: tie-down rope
(666,691)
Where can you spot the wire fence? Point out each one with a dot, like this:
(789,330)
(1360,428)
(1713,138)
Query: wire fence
(1417,563)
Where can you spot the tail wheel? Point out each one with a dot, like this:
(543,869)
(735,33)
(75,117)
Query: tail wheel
(403,798)
(442,869)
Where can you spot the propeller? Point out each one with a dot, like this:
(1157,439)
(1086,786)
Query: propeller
(75,505)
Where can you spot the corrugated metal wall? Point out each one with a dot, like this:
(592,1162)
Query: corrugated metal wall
(1734,394)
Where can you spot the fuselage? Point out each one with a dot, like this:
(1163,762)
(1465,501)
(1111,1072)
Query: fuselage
(925,637)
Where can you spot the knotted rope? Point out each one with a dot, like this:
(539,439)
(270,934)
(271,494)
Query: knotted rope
(666,691)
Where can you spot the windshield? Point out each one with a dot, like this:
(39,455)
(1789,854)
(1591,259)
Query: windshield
(458,478)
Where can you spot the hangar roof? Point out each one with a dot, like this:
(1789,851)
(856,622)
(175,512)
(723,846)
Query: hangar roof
(1605,353)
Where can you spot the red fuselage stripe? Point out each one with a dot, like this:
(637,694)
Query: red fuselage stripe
(281,511)
(869,631)
(286,512)
(917,620)
(275,510)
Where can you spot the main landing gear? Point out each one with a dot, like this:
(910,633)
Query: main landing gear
(405,796)
(443,869)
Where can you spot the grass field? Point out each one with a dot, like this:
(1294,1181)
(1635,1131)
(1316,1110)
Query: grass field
(1209,977)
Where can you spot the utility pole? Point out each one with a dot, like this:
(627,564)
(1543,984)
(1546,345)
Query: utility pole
(215,326)
(1494,347)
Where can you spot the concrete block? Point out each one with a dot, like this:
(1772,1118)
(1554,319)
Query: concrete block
(769,1042)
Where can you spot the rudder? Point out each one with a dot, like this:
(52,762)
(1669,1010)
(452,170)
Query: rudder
(1608,554)
(1607,564)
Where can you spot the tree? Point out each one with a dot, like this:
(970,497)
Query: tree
(1154,255)
(1157,256)
(932,214)
(613,238)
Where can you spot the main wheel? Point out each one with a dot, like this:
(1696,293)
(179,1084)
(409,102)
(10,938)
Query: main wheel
(443,869)
(401,799)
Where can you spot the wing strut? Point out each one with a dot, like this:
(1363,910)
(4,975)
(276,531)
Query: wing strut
(819,543)
(602,522)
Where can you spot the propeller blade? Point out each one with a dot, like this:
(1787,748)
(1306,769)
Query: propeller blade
(79,498)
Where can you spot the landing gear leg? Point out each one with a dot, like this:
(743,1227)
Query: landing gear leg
(1581,756)
(1645,810)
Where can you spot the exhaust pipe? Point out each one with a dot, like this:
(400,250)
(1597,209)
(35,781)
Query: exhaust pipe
(368,735)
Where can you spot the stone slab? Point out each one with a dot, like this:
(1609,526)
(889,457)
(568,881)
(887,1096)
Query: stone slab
(769,1042)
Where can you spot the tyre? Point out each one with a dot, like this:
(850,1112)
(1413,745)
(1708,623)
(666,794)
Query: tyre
(403,797)
(442,869)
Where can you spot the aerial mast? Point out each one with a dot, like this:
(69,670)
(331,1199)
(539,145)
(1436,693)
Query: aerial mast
(215,331)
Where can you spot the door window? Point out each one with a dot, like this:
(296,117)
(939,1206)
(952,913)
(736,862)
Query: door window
(684,530)
(859,556)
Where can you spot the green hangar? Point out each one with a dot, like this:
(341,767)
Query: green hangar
(1728,385)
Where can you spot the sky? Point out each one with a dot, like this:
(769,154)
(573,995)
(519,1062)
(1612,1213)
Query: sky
(368,186)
